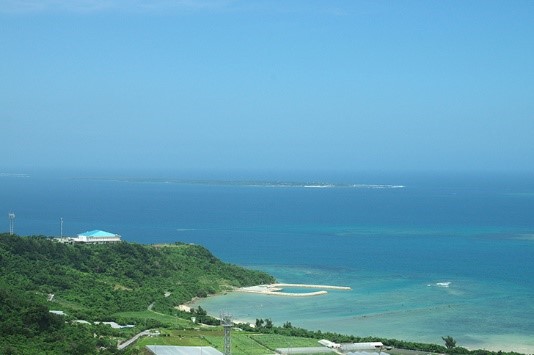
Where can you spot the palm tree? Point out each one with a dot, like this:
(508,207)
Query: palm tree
(450,343)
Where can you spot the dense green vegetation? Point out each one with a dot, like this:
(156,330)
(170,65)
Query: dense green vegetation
(27,327)
(95,283)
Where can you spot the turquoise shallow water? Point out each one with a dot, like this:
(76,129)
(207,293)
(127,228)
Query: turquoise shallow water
(477,313)
(391,245)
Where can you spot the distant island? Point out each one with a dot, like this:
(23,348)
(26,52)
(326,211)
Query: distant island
(251,183)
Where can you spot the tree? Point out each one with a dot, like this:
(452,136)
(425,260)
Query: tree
(450,343)
(268,323)
(201,315)
(259,323)
(9,350)
(201,311)
(288,325)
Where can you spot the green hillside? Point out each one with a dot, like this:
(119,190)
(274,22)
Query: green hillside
(96,282)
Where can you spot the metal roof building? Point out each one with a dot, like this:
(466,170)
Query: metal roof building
(97,236)
(374,345)
(306,351)
(182,350)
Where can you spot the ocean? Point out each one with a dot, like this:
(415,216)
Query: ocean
(426,255)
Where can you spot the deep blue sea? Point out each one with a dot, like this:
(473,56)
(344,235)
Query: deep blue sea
(394,239)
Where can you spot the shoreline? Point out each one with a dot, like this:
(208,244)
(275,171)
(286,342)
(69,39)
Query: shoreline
(345,288)
(494,343)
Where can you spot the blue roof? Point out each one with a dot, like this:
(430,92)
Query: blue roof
(97,233)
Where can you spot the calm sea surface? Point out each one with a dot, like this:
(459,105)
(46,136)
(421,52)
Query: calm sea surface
(393,245)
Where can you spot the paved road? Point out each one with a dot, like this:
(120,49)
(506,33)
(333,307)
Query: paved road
(134,338)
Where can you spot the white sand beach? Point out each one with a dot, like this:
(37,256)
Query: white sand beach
(276,289)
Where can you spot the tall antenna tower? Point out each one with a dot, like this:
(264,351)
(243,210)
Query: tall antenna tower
(61,227)
(11,217)
(226,322)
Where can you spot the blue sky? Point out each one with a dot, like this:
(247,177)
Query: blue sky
(267,85)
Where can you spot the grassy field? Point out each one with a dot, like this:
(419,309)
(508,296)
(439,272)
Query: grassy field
(183,332)
(166,319)
(273,341)
(242,342)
